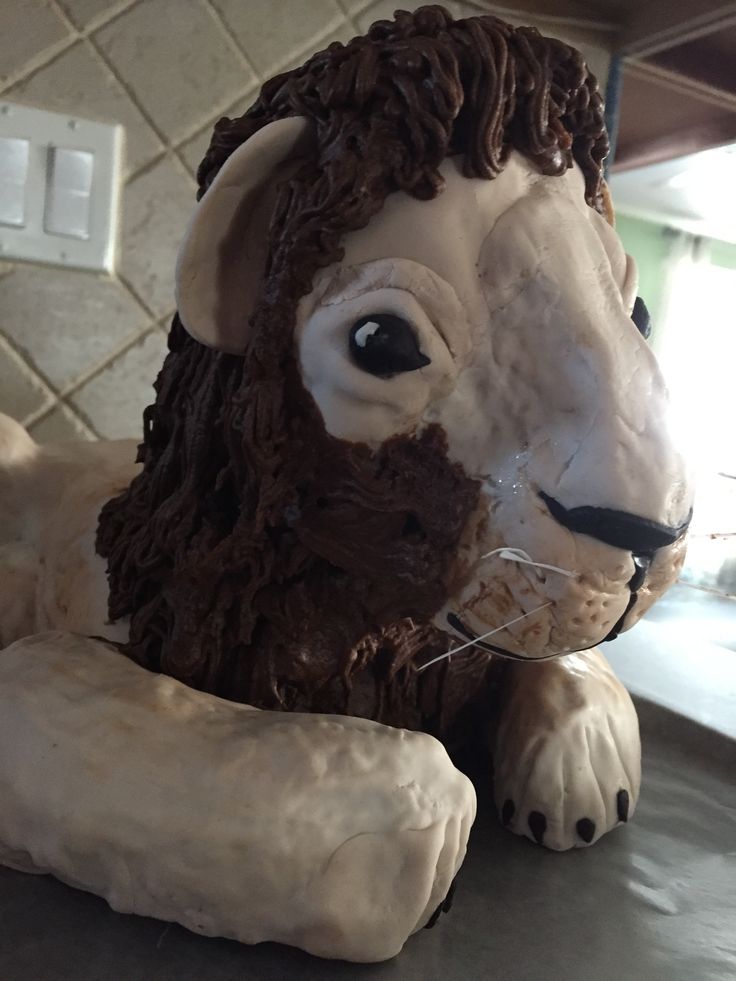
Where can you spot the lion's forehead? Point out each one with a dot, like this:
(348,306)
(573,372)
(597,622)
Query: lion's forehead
(450,233)
(519,297)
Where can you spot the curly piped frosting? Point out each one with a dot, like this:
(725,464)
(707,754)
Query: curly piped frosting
(256,556)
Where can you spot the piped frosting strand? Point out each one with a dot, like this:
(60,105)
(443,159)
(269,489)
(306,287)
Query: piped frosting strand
(519,555)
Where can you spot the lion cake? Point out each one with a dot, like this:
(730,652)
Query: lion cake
(407,464)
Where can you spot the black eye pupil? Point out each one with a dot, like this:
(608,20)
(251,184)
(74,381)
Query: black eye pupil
(384,345)
(640,316)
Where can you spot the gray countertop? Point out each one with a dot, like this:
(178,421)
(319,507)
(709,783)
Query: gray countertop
(656,899)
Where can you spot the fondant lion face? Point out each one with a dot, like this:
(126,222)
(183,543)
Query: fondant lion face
(519,298)
(499,311)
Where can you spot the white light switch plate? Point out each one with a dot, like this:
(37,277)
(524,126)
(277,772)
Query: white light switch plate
(61,225)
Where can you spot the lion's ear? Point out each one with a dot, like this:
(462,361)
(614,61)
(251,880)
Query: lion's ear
(222,258)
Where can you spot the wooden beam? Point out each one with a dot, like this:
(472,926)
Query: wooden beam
(596,16)
(660,24)
(679,84)
(710,61)
(665,115)
(694,139)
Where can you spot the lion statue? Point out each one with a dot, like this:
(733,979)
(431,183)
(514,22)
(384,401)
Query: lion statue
(408,463)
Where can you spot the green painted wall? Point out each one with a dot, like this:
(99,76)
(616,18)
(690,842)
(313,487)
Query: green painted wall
(723,254)
(650,246)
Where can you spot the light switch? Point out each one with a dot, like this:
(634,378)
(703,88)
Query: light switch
(59,187)
(68,192)
(13,176)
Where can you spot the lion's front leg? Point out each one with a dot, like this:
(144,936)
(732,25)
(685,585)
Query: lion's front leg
(337,835)
(567,758)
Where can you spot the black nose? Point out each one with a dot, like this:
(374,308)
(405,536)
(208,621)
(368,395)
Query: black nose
(641,536)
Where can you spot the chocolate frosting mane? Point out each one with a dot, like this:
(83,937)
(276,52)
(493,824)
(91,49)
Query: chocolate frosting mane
(256,556)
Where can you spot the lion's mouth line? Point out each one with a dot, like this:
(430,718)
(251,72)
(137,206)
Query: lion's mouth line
(642,563)
(457,624)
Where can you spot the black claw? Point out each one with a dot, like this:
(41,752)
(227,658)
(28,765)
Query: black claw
(537,826)
(586,829)
(622,805)
(444,907)
(507,812)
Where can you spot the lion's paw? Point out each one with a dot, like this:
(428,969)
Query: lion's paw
(565,787)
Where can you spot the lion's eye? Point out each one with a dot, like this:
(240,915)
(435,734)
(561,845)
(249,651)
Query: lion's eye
(385,345)
(641,318)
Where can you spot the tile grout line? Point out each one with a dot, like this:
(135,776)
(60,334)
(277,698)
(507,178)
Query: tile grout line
(166,152)
(168,147)
(209,125)
(26,364)
(73,387)
(175,153)
(39,62)
(350,18)
(126,88)
(60,398)
(120,278)
(211,120)
(85,37)
(226,30)
(54,51)
(306,50)
(50,398)
(37,417)
(99,20)
(359,11)
(147,165)
(278,66)
(175,149)
(63,393)
(84,419)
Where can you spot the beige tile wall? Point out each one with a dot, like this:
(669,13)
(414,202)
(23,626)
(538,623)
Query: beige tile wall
(79,351)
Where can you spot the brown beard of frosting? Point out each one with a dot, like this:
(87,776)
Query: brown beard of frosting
(372,539)
(325,606)
(256,557)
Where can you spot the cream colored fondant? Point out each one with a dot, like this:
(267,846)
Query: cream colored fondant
(521,296)
(172,803)
(567,746)
(50,499)
(221,259)
(337,835)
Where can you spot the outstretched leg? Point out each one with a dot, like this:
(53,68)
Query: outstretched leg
(337,835)
(50,499)
(567,757)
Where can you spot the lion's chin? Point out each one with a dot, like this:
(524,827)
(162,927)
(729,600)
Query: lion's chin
(468,637)
(540,625)
(537,613)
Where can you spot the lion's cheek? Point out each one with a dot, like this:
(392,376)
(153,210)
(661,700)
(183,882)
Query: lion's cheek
(574,615)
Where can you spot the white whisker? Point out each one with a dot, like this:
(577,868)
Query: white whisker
(524,558)
(472,643)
